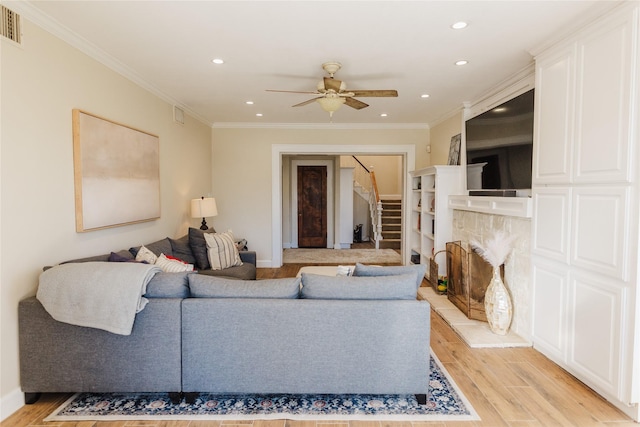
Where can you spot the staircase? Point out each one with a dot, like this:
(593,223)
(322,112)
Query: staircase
(386,214)
(391,224)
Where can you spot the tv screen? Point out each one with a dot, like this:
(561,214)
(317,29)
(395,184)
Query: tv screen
(499,146)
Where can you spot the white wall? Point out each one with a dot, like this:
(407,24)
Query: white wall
(42,81)
(242,172)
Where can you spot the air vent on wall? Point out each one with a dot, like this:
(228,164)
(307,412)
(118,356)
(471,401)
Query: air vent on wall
(178,115)
(10,25)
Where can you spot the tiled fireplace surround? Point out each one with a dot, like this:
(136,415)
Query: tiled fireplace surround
(469,225)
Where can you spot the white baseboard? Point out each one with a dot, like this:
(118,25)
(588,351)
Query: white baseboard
(11,403)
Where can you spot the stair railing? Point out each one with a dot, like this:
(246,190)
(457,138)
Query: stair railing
(375,208)
(367,179)
(361,175)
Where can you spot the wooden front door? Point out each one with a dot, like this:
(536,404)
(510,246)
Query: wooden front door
(312,206)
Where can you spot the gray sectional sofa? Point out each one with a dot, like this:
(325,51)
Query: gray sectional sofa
(199,333)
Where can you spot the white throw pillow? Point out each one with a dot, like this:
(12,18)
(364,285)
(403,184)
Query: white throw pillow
(145,254)
(222,250)
(172,265)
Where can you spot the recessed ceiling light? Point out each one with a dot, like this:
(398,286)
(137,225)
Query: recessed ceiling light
(259,115)
(249,102)
(383,115)
(459,25)
(217,61)
(462,62)
(500,109)
(424,95)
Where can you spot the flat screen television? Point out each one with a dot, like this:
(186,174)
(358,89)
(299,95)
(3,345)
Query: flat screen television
(499,147)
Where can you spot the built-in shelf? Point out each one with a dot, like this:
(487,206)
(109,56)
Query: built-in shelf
(431,218)
(509,206)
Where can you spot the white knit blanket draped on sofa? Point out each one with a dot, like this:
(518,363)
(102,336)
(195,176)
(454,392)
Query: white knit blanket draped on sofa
(102,295)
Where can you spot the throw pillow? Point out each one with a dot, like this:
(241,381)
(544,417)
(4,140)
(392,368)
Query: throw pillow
(316,286)
(220,287)
(418,270)
(222,250)
(181,249)
(162,246)
(172,265)
(199,248)
(146,255)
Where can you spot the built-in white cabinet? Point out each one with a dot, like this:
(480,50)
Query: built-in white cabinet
(586,216)
(431,216)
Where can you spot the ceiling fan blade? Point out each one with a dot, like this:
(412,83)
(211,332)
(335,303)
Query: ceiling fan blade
(378,93)
(308,101)
(354,103)
(331,83)
(293,91)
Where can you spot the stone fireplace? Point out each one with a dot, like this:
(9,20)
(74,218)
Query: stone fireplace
(470,225)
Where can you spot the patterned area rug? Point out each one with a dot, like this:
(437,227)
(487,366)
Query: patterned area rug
(341,256)
(445,403)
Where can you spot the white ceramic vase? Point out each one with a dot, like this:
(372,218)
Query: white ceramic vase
(497,305)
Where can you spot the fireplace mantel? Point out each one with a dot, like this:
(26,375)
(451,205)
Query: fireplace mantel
(509,206)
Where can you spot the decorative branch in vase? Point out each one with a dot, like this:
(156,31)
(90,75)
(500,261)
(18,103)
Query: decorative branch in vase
(497,301)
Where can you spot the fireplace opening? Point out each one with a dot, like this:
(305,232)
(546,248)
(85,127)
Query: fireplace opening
(468,276)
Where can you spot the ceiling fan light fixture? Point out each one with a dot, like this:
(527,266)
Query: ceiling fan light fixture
(331,105)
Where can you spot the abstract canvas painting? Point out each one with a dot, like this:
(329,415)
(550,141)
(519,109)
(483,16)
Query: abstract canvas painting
(116,173)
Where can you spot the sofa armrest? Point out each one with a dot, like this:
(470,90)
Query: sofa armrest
(248,256)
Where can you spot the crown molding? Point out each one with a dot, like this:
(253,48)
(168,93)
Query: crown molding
(447,116)
(321,126)
(515,85)
(29,11)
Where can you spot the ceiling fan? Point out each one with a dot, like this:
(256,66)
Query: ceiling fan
(333,93)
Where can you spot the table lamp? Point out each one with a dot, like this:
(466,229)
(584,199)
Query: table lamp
(202,208)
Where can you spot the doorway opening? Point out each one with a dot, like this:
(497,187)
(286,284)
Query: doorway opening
(407,152)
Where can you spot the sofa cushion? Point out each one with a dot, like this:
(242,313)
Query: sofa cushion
(219,287)
(199,248)
(182,250)
(246,271)
(418,270)
(169,285)
(316,286)
(222,250)
(121,257)
(162,246)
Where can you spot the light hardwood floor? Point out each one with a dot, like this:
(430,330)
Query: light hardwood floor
(514,387)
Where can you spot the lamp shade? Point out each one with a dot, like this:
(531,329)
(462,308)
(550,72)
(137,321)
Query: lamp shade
(331,104)
(203,207)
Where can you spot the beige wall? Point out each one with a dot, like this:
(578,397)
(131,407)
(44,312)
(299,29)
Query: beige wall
(42,81)
(388,171)
(242,172)
(441,138)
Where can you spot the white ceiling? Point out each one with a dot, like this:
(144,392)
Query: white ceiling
(403,45)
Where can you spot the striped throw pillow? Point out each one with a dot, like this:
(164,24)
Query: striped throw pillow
(172,265)
(222,250)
